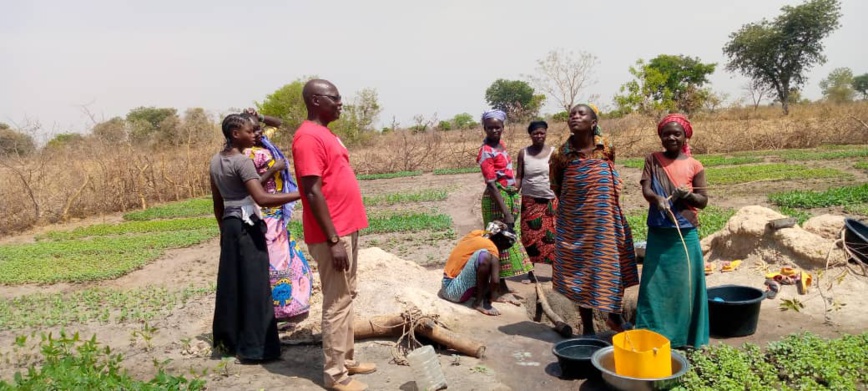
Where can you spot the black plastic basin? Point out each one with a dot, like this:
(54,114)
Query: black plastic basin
(737,315)
(574,357)
(856,239)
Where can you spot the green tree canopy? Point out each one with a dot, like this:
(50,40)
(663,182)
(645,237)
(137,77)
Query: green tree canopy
(860,84)
(149,125)
(515,97)
(287,104)
(667,82)
(13,142)
(778,53)
(65,140)
(838,86)
(358,117)
(464,121)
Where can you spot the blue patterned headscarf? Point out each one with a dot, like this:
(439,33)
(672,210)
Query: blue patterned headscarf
(496,114)
(289,185)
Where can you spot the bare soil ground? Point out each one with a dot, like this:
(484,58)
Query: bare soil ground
(518,354)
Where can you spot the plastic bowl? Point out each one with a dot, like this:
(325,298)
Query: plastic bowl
(574,357)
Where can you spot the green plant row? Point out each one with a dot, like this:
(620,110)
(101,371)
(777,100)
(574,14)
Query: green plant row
(711,219)
(388,175)
(768,172)
(826,152)
(453,171)
(797,362)
(425,195)
(134,227)
(94,305)
(861,165)
(70,363)
(807,199)
(808,155)
(186,208)
(706,160)
(396,222)
(408,222)
(98,258)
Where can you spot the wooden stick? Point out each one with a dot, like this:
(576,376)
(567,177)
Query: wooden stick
(560,326)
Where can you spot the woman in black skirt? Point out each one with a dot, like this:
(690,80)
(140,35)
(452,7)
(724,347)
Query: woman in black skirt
(244,323)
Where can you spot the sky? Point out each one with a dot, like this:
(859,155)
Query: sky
(60,60)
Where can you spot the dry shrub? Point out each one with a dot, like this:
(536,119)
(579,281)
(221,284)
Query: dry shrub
(94,179)
(56,184)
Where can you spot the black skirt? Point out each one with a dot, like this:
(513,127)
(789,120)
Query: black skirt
(244,323)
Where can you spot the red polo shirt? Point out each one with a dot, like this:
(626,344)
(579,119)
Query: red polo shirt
(316,151)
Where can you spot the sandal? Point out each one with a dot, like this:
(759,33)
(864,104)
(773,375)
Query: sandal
(804,282)
(772,288)
(730,266)
(709,268)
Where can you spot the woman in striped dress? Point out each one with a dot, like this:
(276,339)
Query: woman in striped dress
(594,257)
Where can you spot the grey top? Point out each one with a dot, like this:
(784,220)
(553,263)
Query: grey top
(229,174)
(535,177)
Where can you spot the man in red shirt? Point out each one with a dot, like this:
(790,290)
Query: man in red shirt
(333,214)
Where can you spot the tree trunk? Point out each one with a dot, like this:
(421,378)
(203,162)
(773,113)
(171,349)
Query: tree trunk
(786,105)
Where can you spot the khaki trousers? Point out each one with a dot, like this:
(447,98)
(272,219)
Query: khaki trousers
(338,291)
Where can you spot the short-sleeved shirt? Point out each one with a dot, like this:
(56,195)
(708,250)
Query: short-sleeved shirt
(665,175)
(316,151)
(230,173)
(469,244)
(496,165)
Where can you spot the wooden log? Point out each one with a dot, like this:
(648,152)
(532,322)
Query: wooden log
(560,326)
(392,325)
(451,340)
(378,326)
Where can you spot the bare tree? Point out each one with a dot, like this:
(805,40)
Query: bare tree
(563,75)
(757,91)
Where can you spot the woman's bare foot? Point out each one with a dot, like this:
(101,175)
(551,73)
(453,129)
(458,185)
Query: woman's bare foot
(485,307)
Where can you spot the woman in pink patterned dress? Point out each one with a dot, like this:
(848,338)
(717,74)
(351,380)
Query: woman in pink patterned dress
(289,272)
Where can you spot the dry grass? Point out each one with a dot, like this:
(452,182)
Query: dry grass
(94,179)
(739,129)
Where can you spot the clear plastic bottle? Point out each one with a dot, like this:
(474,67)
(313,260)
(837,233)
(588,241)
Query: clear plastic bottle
(426,369)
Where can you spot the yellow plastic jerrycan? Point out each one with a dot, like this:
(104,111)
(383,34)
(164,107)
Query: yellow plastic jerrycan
(642,354)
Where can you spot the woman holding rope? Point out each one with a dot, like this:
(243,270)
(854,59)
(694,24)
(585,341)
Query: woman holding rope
(672,297)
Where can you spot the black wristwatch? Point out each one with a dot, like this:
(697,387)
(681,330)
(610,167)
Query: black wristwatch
(334,239)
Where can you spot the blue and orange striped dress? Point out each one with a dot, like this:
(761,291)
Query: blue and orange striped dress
(594,256)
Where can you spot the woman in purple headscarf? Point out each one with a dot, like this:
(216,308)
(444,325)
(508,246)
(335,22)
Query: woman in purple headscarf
(501,199)
(289,271)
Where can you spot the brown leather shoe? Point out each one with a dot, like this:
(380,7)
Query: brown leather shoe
(352,385)
(362,368)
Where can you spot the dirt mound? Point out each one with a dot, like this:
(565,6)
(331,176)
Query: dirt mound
(747,234)
(828,226)
(387,285)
